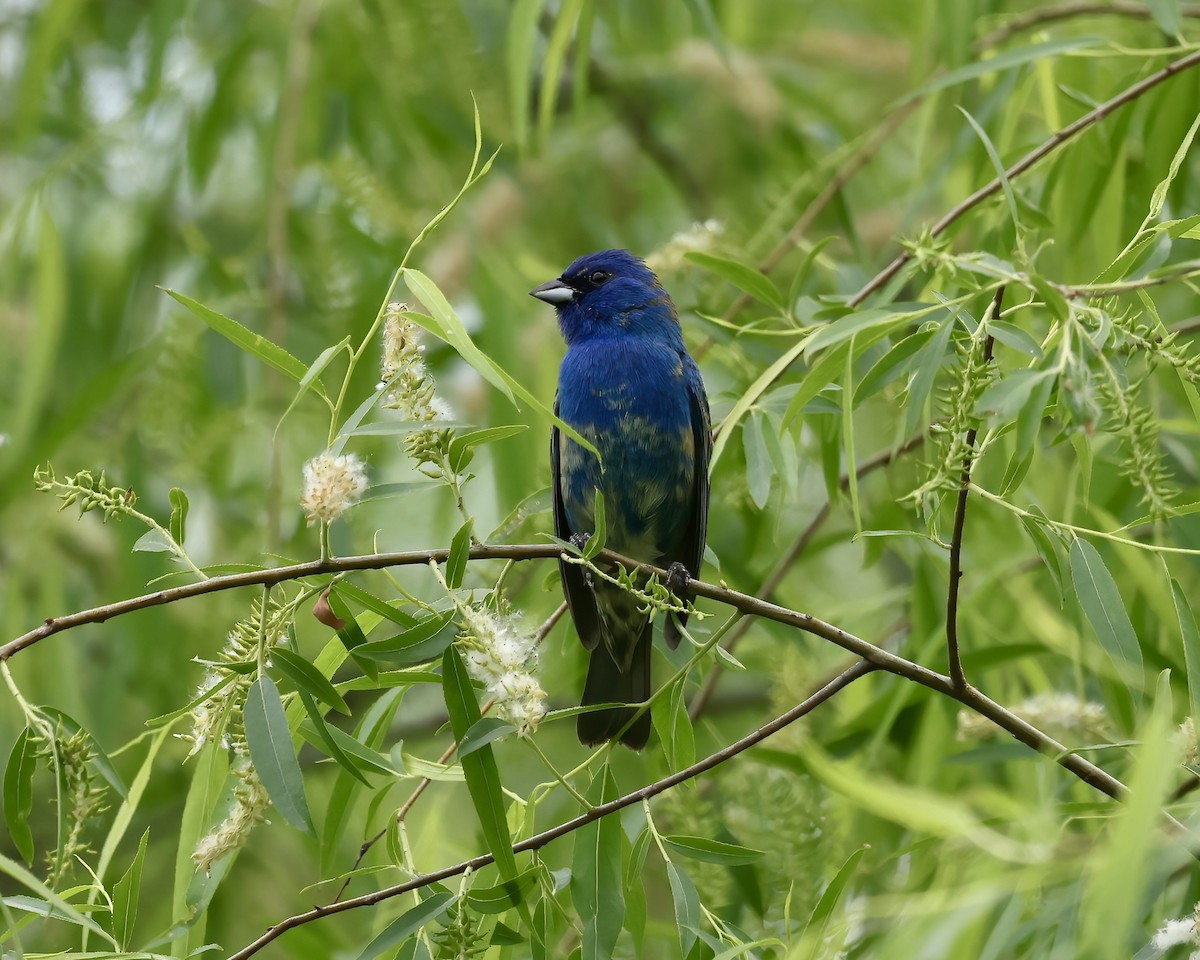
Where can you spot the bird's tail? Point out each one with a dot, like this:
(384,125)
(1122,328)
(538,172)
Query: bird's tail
(607,683)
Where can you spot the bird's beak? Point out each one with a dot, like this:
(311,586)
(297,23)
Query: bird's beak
(553,291)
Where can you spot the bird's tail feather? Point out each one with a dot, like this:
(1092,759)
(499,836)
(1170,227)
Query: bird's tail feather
(608,683)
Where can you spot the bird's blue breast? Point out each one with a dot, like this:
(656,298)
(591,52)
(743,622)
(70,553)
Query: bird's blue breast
(628,396)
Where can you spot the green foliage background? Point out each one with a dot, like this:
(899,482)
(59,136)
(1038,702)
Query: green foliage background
(275,161)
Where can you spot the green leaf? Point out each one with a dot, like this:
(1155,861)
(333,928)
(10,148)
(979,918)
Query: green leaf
(479,767)
(1046,548)
(998,165)
(323,738)
(363,758)
(462,446)
(62,909)
(419,643)
(1189,636)
(892,365)
(687,906)
(745,278)
(209,771)
(1167,15)
(253,343)
(373,603)
(1005,60)
(759,469)
(18,792)
(499,898)
(407,924)
(1015,337)
(522,35)
(460,549)
(308,678)
(818,921)
(1101,602)
(596,888)
(125,895)
(271,750)
(1005,397)
(153,541)
(483,732)
(711,851)
(929,363)
(595,542)
(179,512)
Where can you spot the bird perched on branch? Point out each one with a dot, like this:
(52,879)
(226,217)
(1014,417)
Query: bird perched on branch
(629,387)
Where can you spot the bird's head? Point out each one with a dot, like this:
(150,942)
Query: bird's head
(610,293)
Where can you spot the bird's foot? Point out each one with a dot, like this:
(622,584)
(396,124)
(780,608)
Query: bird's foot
(677,580)
(579,541)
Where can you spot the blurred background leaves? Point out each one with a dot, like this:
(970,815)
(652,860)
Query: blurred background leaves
(275,160)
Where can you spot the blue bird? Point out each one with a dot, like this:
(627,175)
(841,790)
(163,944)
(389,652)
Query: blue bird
(628,385)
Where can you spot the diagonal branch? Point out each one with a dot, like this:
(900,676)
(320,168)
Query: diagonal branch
(536,842)
(960,520)
(1029,160)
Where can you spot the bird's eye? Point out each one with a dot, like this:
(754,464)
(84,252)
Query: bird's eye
(599,276)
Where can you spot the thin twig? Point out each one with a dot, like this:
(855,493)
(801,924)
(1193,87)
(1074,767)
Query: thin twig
(1030,159)
(783,565)
(420,788)
(1069,11)
(536,842)
(960,519)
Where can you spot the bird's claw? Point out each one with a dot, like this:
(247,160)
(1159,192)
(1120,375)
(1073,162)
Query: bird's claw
(677,579)
(580,540)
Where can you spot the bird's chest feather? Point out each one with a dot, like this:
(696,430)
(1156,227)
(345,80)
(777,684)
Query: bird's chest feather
(630,400)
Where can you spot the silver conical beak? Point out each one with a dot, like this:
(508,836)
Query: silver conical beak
(553,291)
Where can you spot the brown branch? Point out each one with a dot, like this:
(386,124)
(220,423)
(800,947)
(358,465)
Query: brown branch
(779,571)
(1084,769)
(960,519)
(420,788)
(274,575)
(1026,162)
(1069,11)
(536,842)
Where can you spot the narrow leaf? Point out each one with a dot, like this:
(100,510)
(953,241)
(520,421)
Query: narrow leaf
(460,549)
(712,851)
(407,924)
(253,343)
(270,743)
(745,278)
(482,733)
(308,678)
(125,895)
(327,743)
(1101,602)
(687,906)
(1189,635)
(179,512)
(596,888)
(482,774)
(18,793)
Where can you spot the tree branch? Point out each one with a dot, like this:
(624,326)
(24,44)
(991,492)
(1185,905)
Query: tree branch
(421,787)
(1026,162)
(960,520)
(1069,11)
(1084,769)
(536,842)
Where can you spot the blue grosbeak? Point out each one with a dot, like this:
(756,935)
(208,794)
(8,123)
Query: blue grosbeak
(628,385)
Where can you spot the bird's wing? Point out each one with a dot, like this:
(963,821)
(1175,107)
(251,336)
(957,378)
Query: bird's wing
(580,599)
(691,549)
